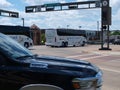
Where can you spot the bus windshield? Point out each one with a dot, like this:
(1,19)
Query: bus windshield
(50,32)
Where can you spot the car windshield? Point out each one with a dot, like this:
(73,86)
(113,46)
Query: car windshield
(11,48)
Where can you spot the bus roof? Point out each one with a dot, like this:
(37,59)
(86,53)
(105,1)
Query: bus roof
(13,29)
(72,32)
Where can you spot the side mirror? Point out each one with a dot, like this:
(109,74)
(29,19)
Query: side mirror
(40,87)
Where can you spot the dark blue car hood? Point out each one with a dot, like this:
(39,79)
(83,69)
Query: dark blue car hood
(74,67)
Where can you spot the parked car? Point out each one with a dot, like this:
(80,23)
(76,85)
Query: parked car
(19,67)
(117,42)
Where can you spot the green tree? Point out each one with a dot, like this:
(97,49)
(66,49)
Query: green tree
(43,38)
(115,32)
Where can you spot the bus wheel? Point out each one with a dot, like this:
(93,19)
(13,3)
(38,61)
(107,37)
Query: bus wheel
(66,44)
(83,44)
(63,44)
(73,45)
(26,45)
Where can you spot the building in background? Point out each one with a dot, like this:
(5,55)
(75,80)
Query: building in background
(38,35)
(35,34)
(92,35)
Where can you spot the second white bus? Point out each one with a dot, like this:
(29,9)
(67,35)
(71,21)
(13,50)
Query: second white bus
(23,40)
(63,37)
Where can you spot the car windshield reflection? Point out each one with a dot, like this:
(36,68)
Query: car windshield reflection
(11,48)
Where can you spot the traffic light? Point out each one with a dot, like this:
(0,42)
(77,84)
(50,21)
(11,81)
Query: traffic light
(104,27)
(106,15)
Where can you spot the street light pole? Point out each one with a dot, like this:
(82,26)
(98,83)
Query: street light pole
(98,25)
(98,32)
(80,27)
(67,26)
(23,21)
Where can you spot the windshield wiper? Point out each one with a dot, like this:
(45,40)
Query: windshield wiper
(27,56)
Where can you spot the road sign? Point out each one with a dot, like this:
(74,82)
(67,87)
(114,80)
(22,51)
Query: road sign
(38,9)
(52,4)
(9,13)
(73,6)
(98,4)
(29,9)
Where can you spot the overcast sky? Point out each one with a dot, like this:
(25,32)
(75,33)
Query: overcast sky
(87,19)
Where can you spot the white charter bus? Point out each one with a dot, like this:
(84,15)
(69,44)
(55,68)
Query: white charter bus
(21,34)
(64,37)
(23,40)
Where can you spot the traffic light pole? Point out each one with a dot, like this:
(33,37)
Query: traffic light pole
(102,38)
(108,39)
(105,23)
(101,35)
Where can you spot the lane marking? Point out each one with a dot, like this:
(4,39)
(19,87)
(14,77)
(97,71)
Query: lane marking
(91,57)
(110,70)
(115,60)
(94,57)
(80,55)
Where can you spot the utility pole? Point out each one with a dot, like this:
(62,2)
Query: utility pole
(80,27)
(98,31)
(68,26)
(23,21)
(97,25)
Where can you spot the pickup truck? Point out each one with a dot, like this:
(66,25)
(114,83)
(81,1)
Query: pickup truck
(19,67)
